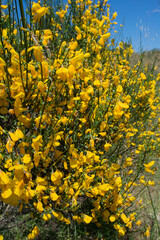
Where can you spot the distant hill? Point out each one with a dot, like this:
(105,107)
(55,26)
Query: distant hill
(150,58)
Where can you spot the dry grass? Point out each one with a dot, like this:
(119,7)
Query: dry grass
(150,58)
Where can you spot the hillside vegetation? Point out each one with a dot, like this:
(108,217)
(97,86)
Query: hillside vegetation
(149,58)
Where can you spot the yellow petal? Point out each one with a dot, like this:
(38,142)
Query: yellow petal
(77,29)
(87,219)
(54,196)
(19,133)
(26,158)
(112,218)
(40,206)
(6,192)
(115,166)
(55,214)
(77,58)
(124,218)
(119,89)
(105,187)
(15,31)
(36,159)
(38,54)
(107,35)
(41,10)
(20,95)
(4,6)
(40,188)
(73,163)
(58,215)
(10,144)
(2,62)
(123,105)
(4,33)
(150,164)
(143,76)
(96,83)
(13,136)
(4,179)
(1,237)
(28,50)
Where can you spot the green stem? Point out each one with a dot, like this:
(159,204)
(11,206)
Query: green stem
(25,39)
(18,23)
(22,13)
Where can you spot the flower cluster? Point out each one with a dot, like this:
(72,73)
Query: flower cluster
(78,124)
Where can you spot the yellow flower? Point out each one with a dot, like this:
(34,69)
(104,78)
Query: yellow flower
(148,166)
(4,179)
(16,135)
(6,191)
(63,73)
(25,120)
(114,15)
(87,219)
(38,53)
(39,207)
(56,177)
(37,157)
(4,6)
(138,222)
(124,218)
(79,58)
(143,76)
(73,162)
(105,187)
(77,29)
(107,146)
(58,215)
(10,144)
(147,233)
(105,36)
(84,96)
(47,36)
(115,166)
(152,183)
(1,130)
(54,196)
(118,109)
(26,158)
(62,13)
(37,143)
(121,231)
(119,89)
(2,62)
(42,87)
(73,45)
(46,217)
(38,11)
(34,233)
(97,83)
(112,218)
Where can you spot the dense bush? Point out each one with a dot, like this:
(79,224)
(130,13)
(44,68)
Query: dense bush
(78,125)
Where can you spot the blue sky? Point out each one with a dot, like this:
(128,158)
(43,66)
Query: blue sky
(141,17)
